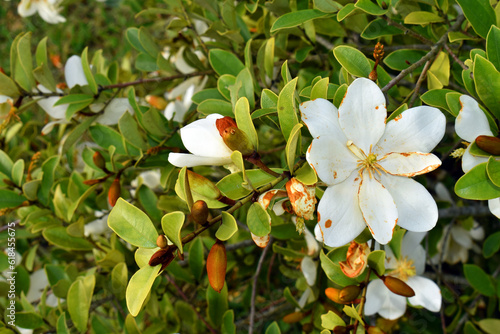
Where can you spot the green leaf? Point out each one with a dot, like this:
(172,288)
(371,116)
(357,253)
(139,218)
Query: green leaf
(224,82)
(404,58)
(42,73)
(378,28)
(77,133)
(212,106)
(244,121)
(493,170)
(291,146)
(224,62)
(287,110)
(209,93)
(231,185)
(246,90)
(477,185)
(119,280)
(217,304)
(273,328)
(8,87)
(331,320)
(422,18)
(130,131)
(139,287)
(60,237)
(148,199)
(153,123)
(369,7)
(201,189)
(306,175)
(491,245)
(320,89)
(147,43)
(396,242)
(10,199)
(437,98)
(228,326)
(480,14)
(29,320)
(353,60)
(132,225)
(6,164)
(293,19)
(227,228)
(269,99)
(23,62)
(327,6)
(479,280)
(489,326)
(487,80)
(196,258)
(332,268)
(87,71)
(61,327)
(439,72)
(493,46)
(289,297)
(258,220)
(79,300)
(353,313)
(105,137)
(48,169)
(269,57)
(172,224)
(376,261)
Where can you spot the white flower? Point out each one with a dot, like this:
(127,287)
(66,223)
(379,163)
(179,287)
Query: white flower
(409,267)
(181,96)
(367,163)
(470,123)
(204,141)
(47,9)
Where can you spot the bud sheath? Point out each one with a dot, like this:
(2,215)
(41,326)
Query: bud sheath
(216,266)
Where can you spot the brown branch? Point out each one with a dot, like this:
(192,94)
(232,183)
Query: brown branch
(420,80)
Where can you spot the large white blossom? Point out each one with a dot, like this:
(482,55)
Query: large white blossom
(470,123)
(409,268)
(203,140)
(47,9)
(367,164)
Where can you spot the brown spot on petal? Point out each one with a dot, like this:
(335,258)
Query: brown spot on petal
(398,117)
(334,174)
(319,216)
(309,149)
(328,223)
(376,108)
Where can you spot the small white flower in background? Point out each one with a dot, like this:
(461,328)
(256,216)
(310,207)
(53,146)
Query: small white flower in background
(47,9)
(203,140)
(38,282)
(471,123)
(367,164)
(150,178)
(181,96)
(408,268)
(98,226)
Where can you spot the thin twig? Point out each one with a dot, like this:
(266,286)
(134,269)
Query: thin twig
(421,78)
(407,31)
(455,57)
(475,210)
(254,287)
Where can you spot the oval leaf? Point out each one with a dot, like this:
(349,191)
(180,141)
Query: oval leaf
(139,287)
(171,224)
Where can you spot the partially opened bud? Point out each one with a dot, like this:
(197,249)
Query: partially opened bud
(398,286)
(489,144)
(161,241)
(114,192)
(302,198)
(163,257)
(349,293)
(333,294)
(294,317)
(199,212)
(233,137)
(356,259)
(99,160)
(216,266)
(156,101)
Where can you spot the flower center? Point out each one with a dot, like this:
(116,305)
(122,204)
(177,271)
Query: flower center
(365,162)
(405,269)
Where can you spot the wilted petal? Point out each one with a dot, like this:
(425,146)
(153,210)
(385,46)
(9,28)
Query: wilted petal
(73,72)
(427,293)
(114,111)
(362,113)
(356,259)
(261,241)
(409,164)
(417,210)
(309,268)
(378,209)
(191,160)
(279,206)
(302,198)
(339,216)
(331,159)
(417,129)
(470,161)
(381,300)
(321,118)
(471,120)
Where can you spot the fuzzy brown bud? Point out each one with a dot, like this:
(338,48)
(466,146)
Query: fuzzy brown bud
(114,192)
(489,144)
(99,160)
(398,286)
(293,317)
(216,266)
(233,137)
(163,257)
(349,293)
(199,212)
(161,241)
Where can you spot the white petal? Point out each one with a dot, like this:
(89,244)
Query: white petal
(477,232)
(381,300)
(309,268)
(494,206)
(73,72)
(169,110)
(202,138)
(442,193)
(312,244)
(321,117)
(114,110)
(427,293)
(417,129)
(50,125)
(362,114)
(191,160)
(378,208)
(331,159)
(181,65)
(49,13)
(417,255)
(4,98)
(186,101)
(182,88)
(176,111)
(461,236)
(417,210)
(261,241)
(27,8)
(470,161)
(318,234)
(471,120)
(278,207)
(47,104)
(339,216)
(409,164)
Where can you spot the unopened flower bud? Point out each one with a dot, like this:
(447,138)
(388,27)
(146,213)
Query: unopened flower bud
(293,317)
(489,144)
(233,137)
(114,192)
(199,212)
(398,286)
(349,293)
(334,295)
(216,266)
(161,241)
(163,257)
(340,330)
(373,75)
(156,101)
(99,160)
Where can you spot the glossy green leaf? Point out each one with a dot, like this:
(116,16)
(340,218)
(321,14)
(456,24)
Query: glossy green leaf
(225,62)
(287,110)
(453,102)
(327,6)
(130,131)
(258,220)
(422,18)
(479,280)
(293,19)
(196,258)
(48,169)
(231,185)
(269,99)
(79,300)
(77,133)
(353,313)
(480,14)
(28,320)
(320,89)
(143,255)
(119,280)
(376,261)
(378,28)
(291,146)
(369,7)
(489,326)
(332,269)
(212,106)
(491,245)
(132,225)
(493,170)
(331,320)
(477,185)
(60,237)
(269,57)
(306,175)
(353,60)
(247,86)
(208,93)
(436,98)
(8,87)
(493,46)
(244,121)
(153,122)
(172,224)
(228,326)
(224,82)
(42,73)
(105,137)
(487,80)
(6,164)
(23,62)
(201,189)
(139,287)
(227,228)
(88,72)
(439,72)
(403,58)
(10,199)
(273,328)
(217,304)
(285,73)
(147,42)
(62,327)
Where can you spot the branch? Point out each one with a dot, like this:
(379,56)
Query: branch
(475,210)
(419,83)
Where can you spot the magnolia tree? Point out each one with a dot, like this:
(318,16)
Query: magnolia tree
(251,166)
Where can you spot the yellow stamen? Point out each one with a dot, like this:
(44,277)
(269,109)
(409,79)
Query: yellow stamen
(405,269)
